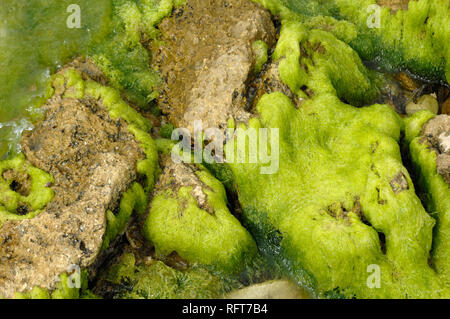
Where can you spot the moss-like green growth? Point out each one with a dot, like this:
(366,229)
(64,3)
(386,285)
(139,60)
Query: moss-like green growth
(156,280)
(166,130)
(133,200)
(322,63)
(214,239)
(18,201)
(416,39)
(260,49)
(69,287)
(437,191)
(341,204)
(123,57)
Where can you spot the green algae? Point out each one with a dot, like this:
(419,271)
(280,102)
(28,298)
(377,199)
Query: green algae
(65,289)
(38,195)
(437,199)
(133,200)
(416,39)
(176,223)
(260,49)
(155,280)
(321,63)
(334,209)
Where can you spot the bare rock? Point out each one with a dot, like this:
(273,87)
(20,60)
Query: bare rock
(437,134)
(208,60)
(274,289)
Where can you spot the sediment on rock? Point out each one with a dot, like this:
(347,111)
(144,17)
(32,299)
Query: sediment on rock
(93,160)
(208,60)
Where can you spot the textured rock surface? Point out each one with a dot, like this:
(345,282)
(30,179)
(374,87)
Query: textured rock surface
(208,59)
(437,134)
(93,160)
(274,289)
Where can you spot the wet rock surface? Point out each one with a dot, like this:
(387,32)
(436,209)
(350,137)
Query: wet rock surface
(208,60)
(268,82)
(93,160)
(274,289)
(177,175)
(437,134)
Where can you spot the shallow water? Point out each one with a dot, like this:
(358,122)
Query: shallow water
(35,40)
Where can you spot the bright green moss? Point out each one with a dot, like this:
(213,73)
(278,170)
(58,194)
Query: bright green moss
(39,194)
(334,166)
(334,208)
(416,39)
(260,52)
(159,281)
(437,199)
(123,57)
(322,63)
(216,240)
(133,200)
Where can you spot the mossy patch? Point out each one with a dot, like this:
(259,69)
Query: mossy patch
(24,189)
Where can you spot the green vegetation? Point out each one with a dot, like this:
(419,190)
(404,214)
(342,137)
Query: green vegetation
(416,39)
(155,280)
(436,189)
(341,199)
(214,238)
(16,204)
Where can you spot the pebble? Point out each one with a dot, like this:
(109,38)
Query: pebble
(425,102)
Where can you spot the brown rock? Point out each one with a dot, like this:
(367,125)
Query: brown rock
(93,160)
(208,59)
(437,135)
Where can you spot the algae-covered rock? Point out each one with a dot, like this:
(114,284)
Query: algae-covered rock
(129,278)
(24,189)
(189,215)
(424,141)
(396,35)
(93,147)
(340,215)
(341,204)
